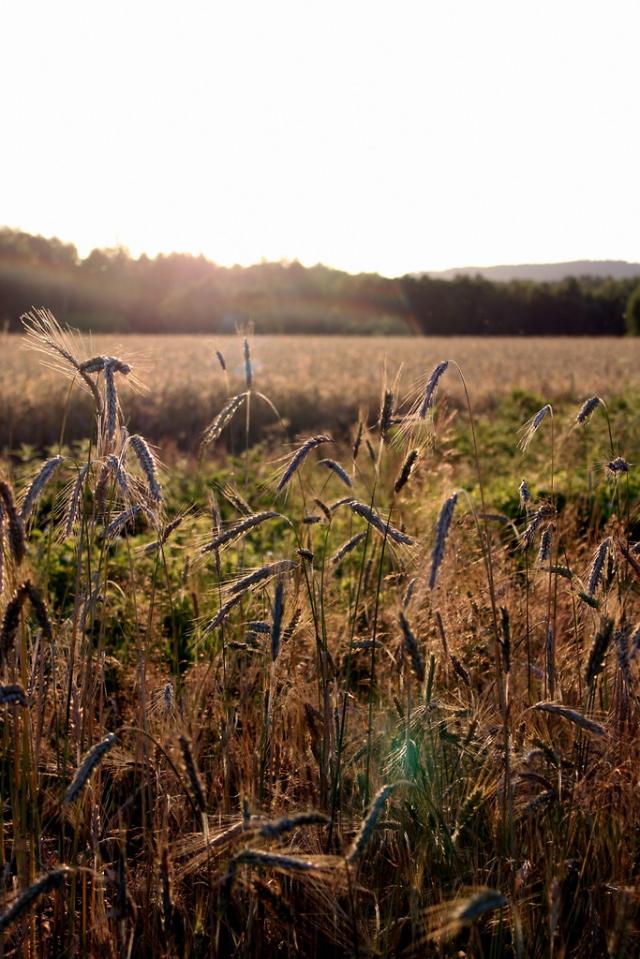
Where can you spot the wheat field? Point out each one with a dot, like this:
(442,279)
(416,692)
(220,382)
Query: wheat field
(314,381)
(345,665)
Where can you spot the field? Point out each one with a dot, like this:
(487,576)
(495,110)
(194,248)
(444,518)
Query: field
(321,655)
(315,382)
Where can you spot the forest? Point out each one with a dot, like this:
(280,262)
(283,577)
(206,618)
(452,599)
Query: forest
(109,290)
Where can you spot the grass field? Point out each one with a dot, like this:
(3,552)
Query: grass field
(335,686)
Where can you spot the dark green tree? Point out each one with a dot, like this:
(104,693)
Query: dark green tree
(632,313)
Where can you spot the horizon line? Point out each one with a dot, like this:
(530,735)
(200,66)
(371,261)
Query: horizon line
(288,261)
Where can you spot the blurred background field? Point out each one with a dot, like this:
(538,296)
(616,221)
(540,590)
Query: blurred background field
(315,381)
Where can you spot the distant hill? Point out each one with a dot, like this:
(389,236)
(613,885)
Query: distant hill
(545,272)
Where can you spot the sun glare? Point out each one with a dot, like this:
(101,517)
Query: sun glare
(426,135)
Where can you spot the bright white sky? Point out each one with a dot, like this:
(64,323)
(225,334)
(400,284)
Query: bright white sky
(391,136)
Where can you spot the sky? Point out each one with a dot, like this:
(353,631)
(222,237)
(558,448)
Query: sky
(390,137)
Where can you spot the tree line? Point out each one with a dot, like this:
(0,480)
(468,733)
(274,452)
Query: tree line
(111,290)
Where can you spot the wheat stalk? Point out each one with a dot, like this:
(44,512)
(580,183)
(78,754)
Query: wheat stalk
(544,512)
(37,485)
(2,549)
(44,334)
(587,408)
(598,652)
(259,576)
(617,466)
(386,412)
(529,430)
(275,828)
(83,773)
(11,620)
(431,387)
(411,647)
(222,613)
(13,695)
(17,540)
(347,547)
(110,402)
(248,368)
(47,883)
(597,566)
(442,531)
(238,530)
(381,526)
(122,519)
(339,471)
(296,461)
(197,789)
(152,548)
(148,465)
(573,716)
(406,470)
(278,613)
(368,824)
(73,505)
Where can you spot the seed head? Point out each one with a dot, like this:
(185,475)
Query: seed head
(442,531)
(248,369)
(337,469)
(405,472)
(89,763)
(430,389)
(545,545)
(12,695)
(17,541)
(599,649)
(44,884)
(224,417)
(617,466)
(386,412)
(597,566)
(347,547)
(38,484)
(368,825)
(298,458)
(259,576)
(73,505)
(412,649)
(148,465)
(587,408)
(544,512)
(529,430)
(382,527)
(278,613)
(238,530)
(358,439)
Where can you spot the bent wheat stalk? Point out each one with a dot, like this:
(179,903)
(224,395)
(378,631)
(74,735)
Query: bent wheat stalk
(299,457)
(238,529)
(90,762)
(378,523)
(47,883)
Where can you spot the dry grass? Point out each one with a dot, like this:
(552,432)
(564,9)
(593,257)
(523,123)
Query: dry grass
(318,725)
(314,382)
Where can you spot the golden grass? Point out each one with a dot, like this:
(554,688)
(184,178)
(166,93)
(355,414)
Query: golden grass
(402,735)
(313,381)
